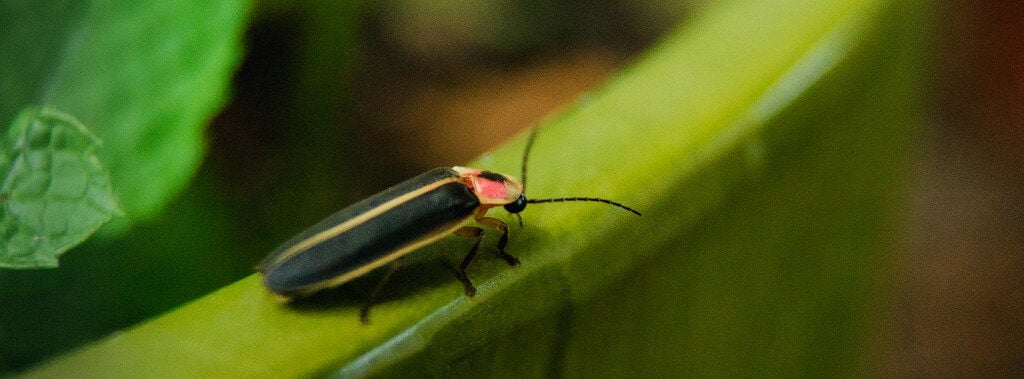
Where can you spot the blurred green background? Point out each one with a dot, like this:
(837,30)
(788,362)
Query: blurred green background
(326,103)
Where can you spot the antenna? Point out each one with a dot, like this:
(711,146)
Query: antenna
(526,156)
(594,199)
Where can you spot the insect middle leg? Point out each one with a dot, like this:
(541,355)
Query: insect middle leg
(478,233)
(472,231)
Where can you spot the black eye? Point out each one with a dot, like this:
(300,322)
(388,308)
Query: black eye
(516,206)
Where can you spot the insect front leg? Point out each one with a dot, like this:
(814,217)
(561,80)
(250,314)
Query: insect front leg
(469,231)
(503,227)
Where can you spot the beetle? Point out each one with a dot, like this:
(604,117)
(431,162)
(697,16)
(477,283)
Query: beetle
(381,229)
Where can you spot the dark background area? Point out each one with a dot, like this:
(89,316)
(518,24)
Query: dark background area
(960,305)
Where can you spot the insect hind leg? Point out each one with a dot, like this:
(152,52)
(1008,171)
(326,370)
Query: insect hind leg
(364,313)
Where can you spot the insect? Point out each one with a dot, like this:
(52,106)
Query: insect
(381,229)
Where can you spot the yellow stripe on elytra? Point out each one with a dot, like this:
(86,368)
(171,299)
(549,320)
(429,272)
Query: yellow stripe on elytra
(338,280)
(355,221)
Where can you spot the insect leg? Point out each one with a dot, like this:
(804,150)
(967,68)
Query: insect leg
(503,227)
(469,231)
(364,313)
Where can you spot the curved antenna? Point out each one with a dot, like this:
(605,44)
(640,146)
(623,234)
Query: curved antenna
(526,155)
(594,199)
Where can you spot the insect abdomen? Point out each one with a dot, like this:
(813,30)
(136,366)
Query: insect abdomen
(370,233)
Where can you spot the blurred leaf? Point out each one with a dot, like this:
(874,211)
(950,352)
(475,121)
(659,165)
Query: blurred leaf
(103,284)
(213,232)
(55,192)
(145,76)
(35,35)
(765,144)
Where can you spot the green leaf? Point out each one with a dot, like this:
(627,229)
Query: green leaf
(145,76)
(54,192)
(766,145)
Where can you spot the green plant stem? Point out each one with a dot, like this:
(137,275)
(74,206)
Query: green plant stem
(764,143)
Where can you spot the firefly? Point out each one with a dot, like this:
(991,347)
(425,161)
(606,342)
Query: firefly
(378,231)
